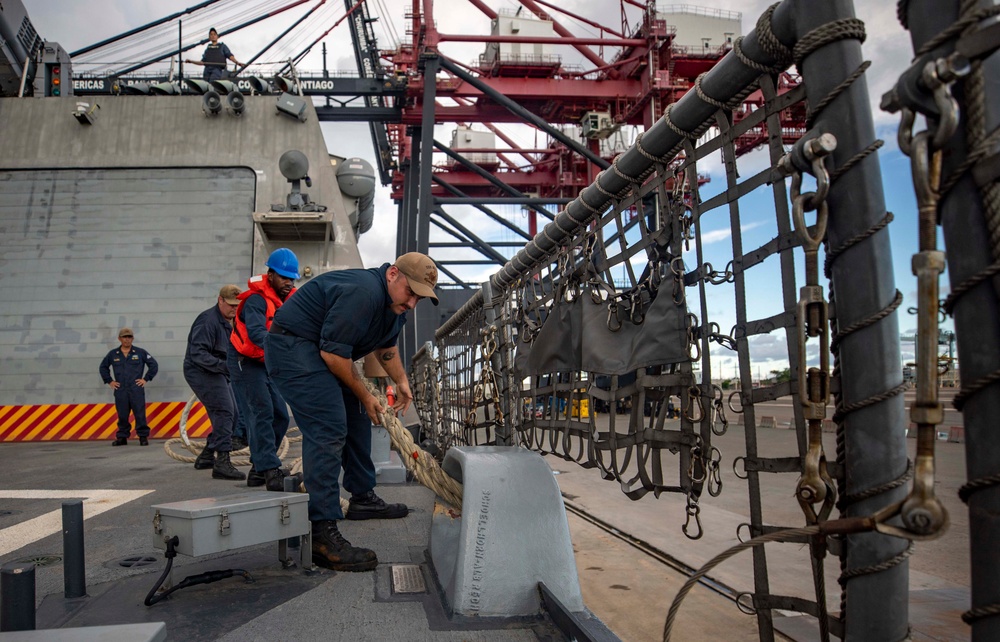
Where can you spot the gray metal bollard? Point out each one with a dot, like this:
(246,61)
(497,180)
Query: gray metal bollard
(74,577)
(17,597)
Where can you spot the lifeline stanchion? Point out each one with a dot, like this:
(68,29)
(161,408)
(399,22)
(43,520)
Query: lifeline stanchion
(17,597)
(74,578)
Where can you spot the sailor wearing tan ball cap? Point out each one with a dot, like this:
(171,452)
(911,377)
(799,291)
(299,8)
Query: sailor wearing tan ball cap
(333,320)
(421,274)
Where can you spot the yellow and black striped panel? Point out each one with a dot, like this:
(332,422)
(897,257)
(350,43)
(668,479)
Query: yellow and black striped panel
(88,422)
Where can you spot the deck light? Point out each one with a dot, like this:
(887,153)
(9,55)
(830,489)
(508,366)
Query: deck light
(137,89)
(260,85)
(197,86)
(286,85)
(164,89)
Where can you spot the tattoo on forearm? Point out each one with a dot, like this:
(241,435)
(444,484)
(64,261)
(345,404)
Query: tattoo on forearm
(389,355)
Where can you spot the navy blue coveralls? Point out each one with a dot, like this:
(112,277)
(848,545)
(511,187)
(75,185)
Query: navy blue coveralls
(216,55)
(267,415)
(240,427)
(346,313)
(240,408)
(205,370)
(129,397)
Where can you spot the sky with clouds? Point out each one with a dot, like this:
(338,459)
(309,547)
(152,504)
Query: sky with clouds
(77,24)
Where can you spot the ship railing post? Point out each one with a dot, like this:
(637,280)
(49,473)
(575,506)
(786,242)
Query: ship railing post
(873,606)
(968,216)
(74,574)
(17,597)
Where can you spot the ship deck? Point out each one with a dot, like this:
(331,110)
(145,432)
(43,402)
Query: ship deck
(630,556)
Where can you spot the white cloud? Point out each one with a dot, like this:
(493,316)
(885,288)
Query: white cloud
(714,236)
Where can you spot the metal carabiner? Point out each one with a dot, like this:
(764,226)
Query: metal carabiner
(692,471)
(693,510)
(636,314)
(595,291)
(694,398)
(714,472)
(719,412)
(678,272)
(614,323)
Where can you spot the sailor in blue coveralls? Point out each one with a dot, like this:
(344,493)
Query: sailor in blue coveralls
(265,410)
(129,384)
(214,59)
(333,320)
(205,370)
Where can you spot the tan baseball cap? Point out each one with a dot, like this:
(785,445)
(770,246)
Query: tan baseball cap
(125,332)
(229,294)
(420,273)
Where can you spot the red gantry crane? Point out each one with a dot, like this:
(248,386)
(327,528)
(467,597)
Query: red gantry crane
(517,84)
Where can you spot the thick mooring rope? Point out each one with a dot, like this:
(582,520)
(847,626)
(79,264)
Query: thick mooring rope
(424,467)
(420,463)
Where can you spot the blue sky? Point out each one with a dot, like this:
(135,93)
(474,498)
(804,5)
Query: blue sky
(78,24)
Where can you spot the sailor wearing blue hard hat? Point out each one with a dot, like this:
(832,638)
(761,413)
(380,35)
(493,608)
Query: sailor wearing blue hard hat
(265,411)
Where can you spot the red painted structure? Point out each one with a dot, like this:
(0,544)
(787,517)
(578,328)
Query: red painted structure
(648,73)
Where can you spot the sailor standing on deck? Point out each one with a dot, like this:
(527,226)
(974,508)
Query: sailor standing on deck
(205,370)
(333,320)
(129,384)
(265,411)
(214,59)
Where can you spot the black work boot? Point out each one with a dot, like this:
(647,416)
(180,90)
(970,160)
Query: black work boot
(275,479)
(239,443)
(371,506)
(143,441)
(224,469)
(120,441)
(331,550)
(255,478)
(206,459)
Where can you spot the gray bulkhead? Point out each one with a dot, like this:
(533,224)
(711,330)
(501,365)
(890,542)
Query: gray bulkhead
(135,220)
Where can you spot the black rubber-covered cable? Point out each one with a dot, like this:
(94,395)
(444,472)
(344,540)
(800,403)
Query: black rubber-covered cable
(192,580)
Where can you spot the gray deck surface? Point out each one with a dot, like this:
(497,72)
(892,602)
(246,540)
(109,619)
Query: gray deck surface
(628,590)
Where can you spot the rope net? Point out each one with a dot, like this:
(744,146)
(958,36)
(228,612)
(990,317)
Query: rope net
(627,335)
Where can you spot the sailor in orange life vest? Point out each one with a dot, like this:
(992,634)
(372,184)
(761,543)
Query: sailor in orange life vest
(266,413)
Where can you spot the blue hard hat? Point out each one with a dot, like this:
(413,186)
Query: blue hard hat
(284,262)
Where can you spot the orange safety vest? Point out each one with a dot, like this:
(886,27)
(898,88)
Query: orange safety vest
(239,337)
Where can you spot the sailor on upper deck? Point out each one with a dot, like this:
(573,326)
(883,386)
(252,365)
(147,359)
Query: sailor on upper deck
(215,57)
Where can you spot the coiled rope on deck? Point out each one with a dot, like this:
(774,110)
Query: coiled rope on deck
(196,446)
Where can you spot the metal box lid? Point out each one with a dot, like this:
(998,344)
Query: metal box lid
(212,506)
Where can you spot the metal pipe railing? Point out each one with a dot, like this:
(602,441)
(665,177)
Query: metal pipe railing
(964,218)
(857,204)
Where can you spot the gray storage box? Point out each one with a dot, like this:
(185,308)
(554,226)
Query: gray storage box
(216,524)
